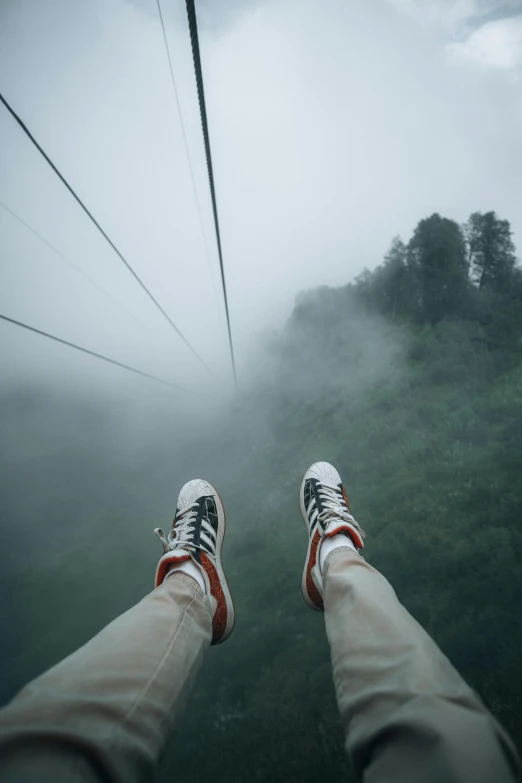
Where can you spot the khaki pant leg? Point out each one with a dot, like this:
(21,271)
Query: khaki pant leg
(104,713)
(408,716)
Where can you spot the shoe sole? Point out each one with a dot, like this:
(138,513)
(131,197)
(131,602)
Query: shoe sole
(307,584)
(231,616)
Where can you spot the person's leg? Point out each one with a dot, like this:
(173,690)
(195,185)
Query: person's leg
(110,704)
(407,714)
(104,713)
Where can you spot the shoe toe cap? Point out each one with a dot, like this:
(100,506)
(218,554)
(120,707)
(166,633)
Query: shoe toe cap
(323,471)
(193,490)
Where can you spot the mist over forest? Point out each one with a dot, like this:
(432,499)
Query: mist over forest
(408,379)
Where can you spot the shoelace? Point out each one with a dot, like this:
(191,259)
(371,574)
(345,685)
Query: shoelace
(182,534)
(336,508)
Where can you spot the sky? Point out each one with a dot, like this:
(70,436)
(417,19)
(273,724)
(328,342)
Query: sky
(335,125)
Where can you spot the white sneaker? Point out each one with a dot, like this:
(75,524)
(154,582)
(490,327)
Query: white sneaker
(326,513)
(197,534)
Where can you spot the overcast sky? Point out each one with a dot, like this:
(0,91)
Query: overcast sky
(335,125)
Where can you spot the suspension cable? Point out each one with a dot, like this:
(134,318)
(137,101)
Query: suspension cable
(193,27)
(100,229)
(68,261)
(90,353)
(185,143)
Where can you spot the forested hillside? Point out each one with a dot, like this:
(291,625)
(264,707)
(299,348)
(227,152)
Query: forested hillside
(409,380)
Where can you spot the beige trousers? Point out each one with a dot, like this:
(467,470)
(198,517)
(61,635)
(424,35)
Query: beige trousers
(104,713)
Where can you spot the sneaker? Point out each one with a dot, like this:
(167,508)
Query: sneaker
(197,534)
(326,513)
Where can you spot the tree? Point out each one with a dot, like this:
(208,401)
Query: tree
(437,257)
(395,283)
(491,251)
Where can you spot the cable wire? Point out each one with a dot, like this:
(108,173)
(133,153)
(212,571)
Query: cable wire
(90,353)
(100,229)
(68,261)
(185,142)
(193,27)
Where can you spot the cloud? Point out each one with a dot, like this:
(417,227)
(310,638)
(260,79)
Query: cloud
(448,13)
(485,34)
(457,16)
(496,45)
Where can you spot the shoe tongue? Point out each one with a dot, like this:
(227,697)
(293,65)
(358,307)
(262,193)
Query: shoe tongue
(335,509)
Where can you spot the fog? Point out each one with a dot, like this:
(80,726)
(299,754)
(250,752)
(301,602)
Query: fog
(334,127)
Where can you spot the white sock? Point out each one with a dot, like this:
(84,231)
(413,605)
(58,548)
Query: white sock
(190,568)
(329,544)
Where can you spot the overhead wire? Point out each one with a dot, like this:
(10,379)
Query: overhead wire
(185,142)
(194,39)
(90,353)
(68,261)
(100,229)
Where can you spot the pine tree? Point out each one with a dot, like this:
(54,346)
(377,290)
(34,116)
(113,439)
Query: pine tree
(491,251)
(437,258)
